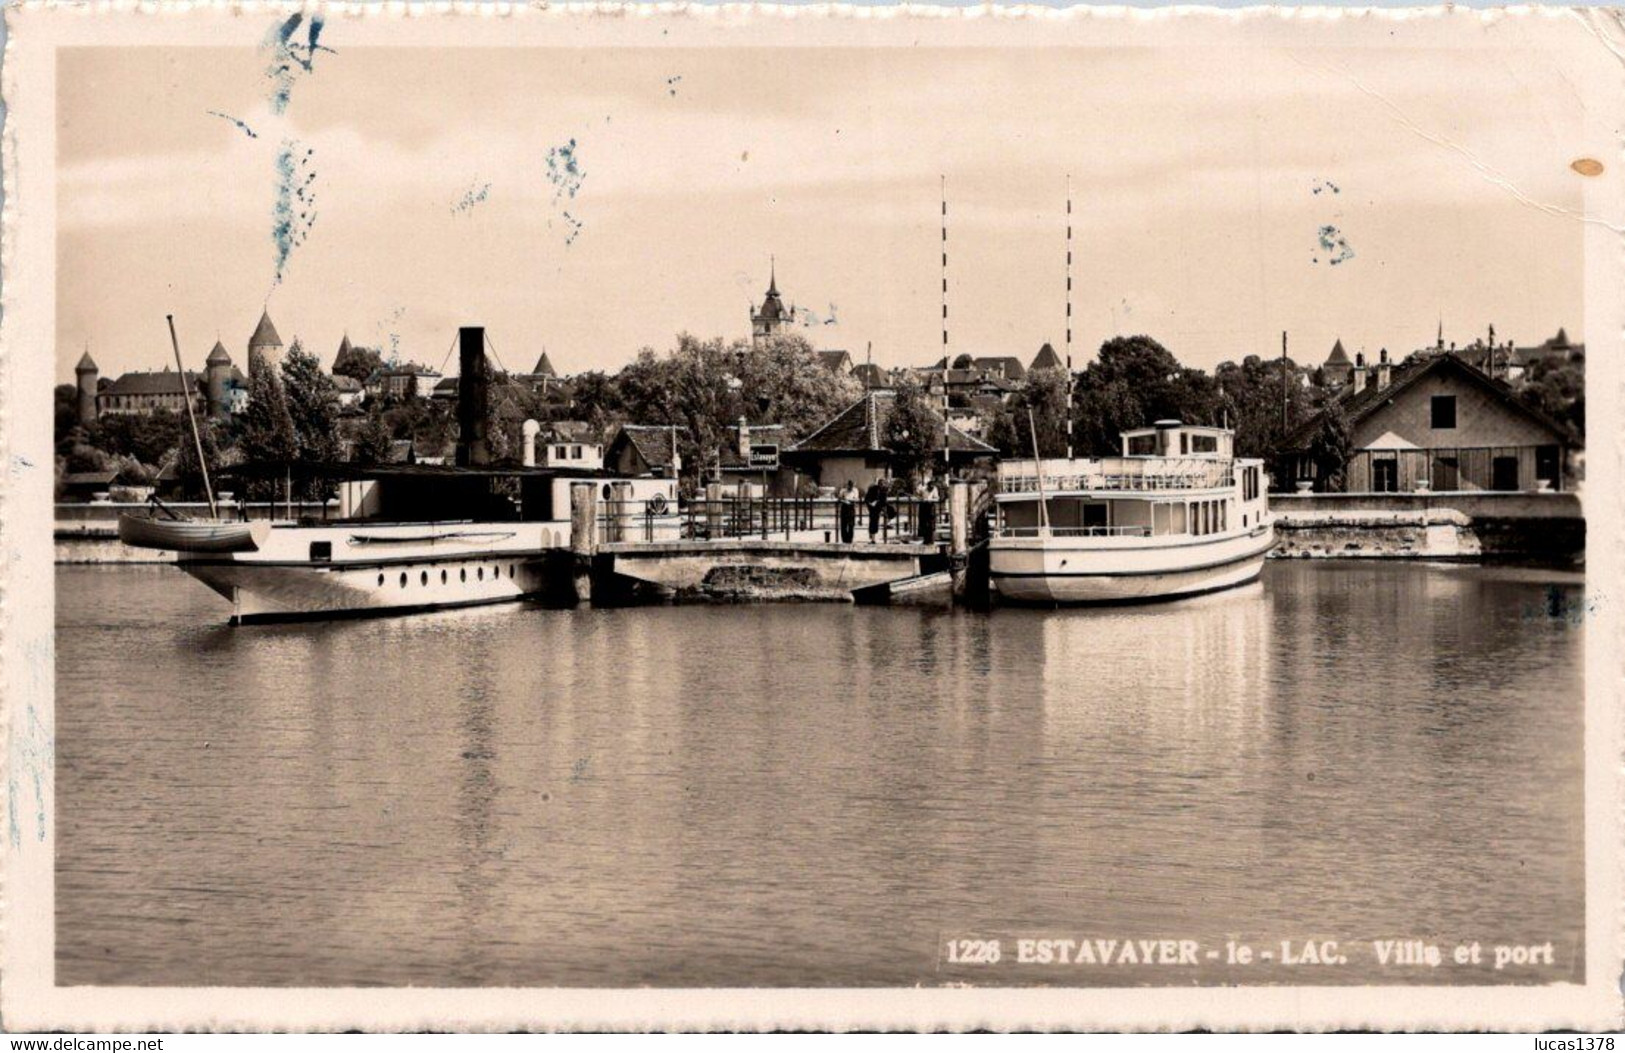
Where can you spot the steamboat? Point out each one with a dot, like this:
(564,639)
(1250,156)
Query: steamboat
(1176,515)
(411,537)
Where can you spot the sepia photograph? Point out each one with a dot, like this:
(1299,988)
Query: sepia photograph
(1066,505)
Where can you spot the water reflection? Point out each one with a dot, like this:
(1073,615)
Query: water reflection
(804,795)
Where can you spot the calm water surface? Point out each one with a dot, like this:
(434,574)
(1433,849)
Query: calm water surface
(812,795)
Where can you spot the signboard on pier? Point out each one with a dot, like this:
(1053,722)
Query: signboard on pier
(764,455)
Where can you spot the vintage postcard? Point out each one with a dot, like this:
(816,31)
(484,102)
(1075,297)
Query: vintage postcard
(760,517)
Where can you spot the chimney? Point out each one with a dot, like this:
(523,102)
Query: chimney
(1359,372)
(1384,369)
(473,398)
(744,438)
(530,429)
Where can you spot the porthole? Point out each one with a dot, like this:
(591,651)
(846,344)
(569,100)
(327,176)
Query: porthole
(462,575)
(480,573)
(403,579)
(510,570)
(442,577)
(423,579)
(496,572)
(380,579)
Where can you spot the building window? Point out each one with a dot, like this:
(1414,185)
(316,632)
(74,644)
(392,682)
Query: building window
(1504,473)
(1385,475)
(1444,411)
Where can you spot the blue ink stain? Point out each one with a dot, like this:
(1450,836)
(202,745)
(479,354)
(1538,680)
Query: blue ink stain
(294,213)
(1559,604)
(471,197)
(671,84)
(228,117)
(564,171)
(290,57)
(575,226)
(1335,245)
(811,320)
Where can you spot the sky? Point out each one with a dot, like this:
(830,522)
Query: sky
(591,202)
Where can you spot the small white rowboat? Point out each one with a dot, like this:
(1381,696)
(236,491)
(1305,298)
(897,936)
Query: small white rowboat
(192,535)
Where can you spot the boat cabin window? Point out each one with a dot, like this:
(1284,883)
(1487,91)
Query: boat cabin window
(1094,515)
(321,551)
(1204,444)
(1184,443)
(1142,445)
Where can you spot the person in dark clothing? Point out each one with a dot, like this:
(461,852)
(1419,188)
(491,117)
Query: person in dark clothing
(875,499)
(847,507)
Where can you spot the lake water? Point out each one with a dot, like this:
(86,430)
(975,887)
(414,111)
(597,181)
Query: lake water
(817,795)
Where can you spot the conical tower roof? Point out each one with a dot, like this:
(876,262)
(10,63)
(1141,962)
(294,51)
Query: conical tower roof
(344,345)
(219,356)
(265,334)
(86,364)
(1338,357)
(1047,359)
(544,367)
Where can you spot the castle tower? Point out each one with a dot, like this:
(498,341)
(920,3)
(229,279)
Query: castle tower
(85,373)
(217,373)
(773,317)
(265,341)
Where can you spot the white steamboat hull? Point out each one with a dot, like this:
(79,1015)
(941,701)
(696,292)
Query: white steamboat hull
(1085,570)
(382,569)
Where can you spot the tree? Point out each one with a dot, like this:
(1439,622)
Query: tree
(1251,400)
(357,362)
(1044,392)
(187,472)
(148,437)
(1557,388)
(1134,382)
(781,381)
(913,432)
(313,406)
(268,435)
(1331,445)
(373,441)
(964,361)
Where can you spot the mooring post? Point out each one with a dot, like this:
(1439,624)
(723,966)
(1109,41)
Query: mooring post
(713,510)
(583,537)
(958,533)
(621,510)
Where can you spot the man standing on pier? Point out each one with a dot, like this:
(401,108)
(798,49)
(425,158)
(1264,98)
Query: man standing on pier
(875,499)
(847,505)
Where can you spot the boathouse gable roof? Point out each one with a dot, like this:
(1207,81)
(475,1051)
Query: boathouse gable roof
(861,428)
(1360,406)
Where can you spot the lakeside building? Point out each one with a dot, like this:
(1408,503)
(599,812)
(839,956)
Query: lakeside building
(1046,359)
(1439,423)
(640,450)
(756,456)
(851,445)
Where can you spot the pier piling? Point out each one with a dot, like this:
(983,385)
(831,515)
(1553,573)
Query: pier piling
(958,533)
(583,537)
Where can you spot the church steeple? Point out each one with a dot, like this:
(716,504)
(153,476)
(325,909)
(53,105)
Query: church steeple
(772,318)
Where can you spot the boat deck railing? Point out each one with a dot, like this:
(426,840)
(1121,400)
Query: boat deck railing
(1127,474)
(1089,531)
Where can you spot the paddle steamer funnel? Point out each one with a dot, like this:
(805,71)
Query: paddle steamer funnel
(473,398)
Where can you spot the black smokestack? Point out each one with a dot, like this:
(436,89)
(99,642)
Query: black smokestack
(473,398)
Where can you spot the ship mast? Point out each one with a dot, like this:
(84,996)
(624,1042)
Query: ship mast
(191,416)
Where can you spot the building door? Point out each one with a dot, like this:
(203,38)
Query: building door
(1385,475)
(1504,473)
(1446,473)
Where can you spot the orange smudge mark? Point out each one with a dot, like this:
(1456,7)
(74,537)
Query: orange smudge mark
(1587,166)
